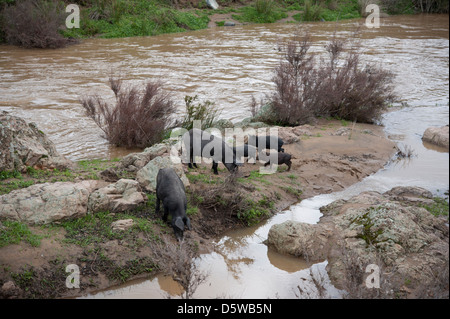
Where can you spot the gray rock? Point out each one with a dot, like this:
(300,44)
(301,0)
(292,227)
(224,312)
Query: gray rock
(135,161)
(300,239)
(390,230)
(9,290)
(438,136)
(229,24)
(49,202)
(147,175)
(123,224)
(23,145)
(118,197)
(417,195)
(343,131)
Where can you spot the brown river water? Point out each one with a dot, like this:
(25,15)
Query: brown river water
(227,66)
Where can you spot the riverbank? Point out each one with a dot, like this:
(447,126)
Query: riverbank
(147,18)
(120,18)
(328,156)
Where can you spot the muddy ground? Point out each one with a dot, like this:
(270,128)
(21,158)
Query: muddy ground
(334,156)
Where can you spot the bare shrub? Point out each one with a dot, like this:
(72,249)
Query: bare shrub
(337,86)
(35,24)
(177,259)
(138,118)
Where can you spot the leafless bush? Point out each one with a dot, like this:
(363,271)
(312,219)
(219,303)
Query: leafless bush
(138,118)
(35,24)
(338,86)
(177,259)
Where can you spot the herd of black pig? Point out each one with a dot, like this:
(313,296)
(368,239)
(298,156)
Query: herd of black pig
(170,189)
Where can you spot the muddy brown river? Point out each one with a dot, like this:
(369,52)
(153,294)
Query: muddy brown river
(228,66)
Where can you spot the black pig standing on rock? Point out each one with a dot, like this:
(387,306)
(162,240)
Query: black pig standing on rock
(170,190)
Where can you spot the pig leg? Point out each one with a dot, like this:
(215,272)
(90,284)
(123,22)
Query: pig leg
(214,167)
(192,161)
(158,203)
(166,214)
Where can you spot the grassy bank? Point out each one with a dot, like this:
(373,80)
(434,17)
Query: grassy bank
(128,18)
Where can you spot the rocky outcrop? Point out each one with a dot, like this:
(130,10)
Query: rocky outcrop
(23,145)
(117,197)
(390,230)
(147,175)
(135,161)
(438,136)
(48,202)
(292,135)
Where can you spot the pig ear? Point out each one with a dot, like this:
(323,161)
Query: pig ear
(179,223)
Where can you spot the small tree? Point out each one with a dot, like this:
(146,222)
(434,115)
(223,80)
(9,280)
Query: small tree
(205,112)
(139,118)
(338,85)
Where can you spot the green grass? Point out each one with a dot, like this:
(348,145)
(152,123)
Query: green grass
(203,178)
(9,174)
(13,232)
(347,9)
(296,191)
(255,211)
(96,228)
(262,11)
(439,208)
(121,18)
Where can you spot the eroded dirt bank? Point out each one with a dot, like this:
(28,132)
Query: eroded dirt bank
(328,157)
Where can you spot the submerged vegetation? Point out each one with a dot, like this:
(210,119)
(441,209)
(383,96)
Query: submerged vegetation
(39,23)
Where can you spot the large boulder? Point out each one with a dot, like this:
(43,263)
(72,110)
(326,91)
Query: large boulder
(123,195)
(438,136)
(391,230)
(48,202)
(23,145)
(135,161)
(147,175)
(300,239)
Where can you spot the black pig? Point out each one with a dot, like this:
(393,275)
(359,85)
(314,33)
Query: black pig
(210,146)
(247,151)
(283,158)
(266,142)
(170,190)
